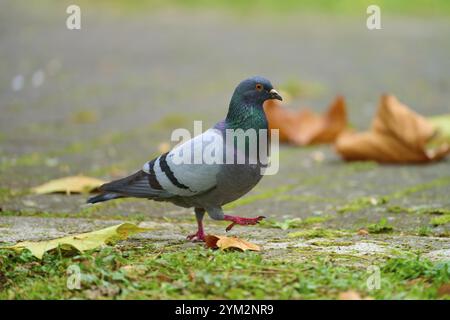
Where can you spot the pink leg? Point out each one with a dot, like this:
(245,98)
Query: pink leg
(241,221)
(200,235)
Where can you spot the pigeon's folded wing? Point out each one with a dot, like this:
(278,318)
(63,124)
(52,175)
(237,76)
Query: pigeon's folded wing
(190,168)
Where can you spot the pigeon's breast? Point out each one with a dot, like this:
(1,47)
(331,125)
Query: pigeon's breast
(234,181)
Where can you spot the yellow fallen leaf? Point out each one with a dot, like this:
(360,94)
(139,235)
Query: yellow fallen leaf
(397,135)
(75,184)
(80,242)
(222,242)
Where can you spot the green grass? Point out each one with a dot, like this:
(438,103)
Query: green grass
(408,269)
(423,231)
(144,271)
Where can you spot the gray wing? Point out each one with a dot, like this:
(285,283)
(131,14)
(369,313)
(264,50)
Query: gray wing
(190,168)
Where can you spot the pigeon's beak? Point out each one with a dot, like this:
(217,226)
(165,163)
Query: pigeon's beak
(275,95)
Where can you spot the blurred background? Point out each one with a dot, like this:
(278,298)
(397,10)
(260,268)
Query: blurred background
(104,99)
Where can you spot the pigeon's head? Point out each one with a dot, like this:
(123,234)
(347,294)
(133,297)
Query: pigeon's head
(255,90)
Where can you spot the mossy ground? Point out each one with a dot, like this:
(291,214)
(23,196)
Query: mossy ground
(303,262)
(108,113)
(173,269)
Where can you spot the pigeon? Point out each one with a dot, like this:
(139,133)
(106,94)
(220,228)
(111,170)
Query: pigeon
(206,187)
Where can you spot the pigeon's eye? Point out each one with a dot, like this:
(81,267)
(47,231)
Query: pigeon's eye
(259,87)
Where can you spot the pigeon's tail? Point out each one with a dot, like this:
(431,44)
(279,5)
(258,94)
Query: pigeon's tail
(104,197)
(137,185)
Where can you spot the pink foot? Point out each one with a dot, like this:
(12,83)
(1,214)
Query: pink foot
(241,221)
(200,235)
(197,237)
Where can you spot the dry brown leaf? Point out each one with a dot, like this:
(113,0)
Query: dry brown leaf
(349,295)
(222,242)
(75,184)
(444,290)
(397,135)
(352,295)
(134,272)
(305,127)
(164,278)
(363,232)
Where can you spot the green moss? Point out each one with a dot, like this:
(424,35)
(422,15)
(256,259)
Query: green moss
(440,182)
(361,203)
(293,223)
(91,212)
(283,225)
(434,211)
(366,202)
(273,193)
(325,243)
(305,198)
(317,233)
(398,209)
(5,194)
(440,220)
(415,210)
(315,220)
(381,227)
(261,196)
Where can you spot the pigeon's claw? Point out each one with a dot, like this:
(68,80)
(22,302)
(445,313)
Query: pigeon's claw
(241,221)
(230,226)
(197,237)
